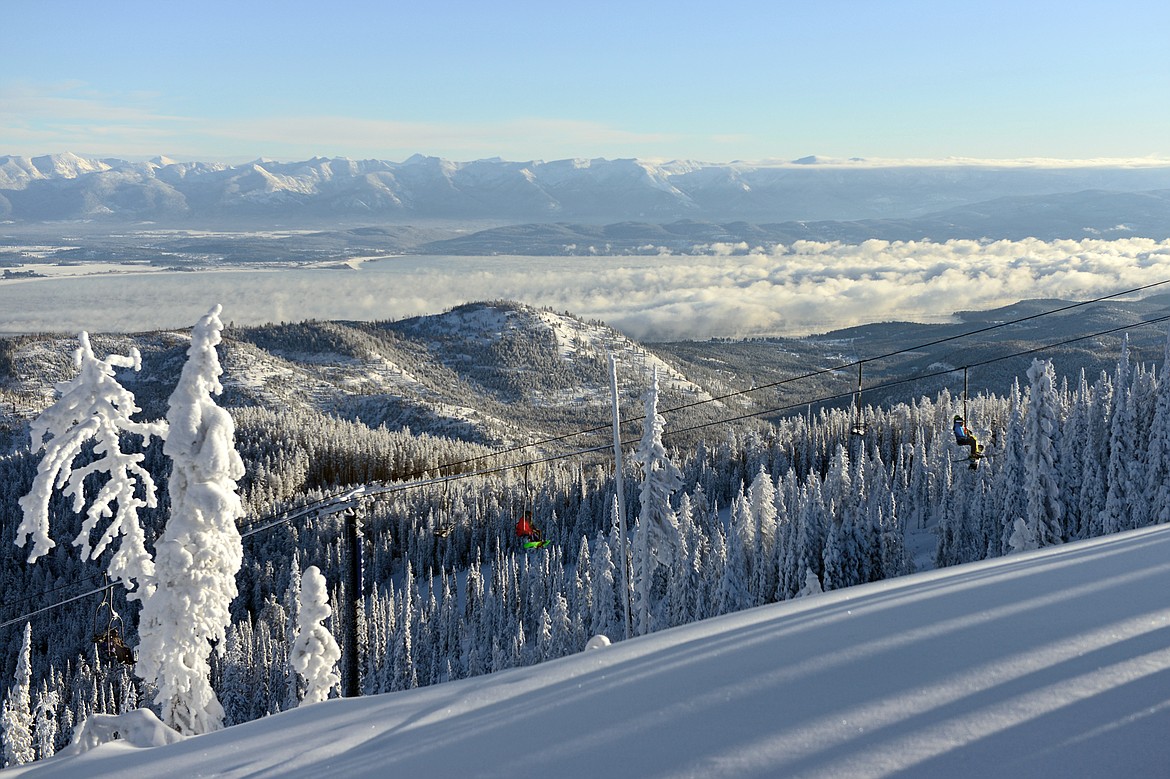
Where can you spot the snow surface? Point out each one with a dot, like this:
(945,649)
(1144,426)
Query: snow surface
(1047,663)
(137,728)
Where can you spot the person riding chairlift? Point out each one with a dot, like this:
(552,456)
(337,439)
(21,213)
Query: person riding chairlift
(525,528)
(964,437)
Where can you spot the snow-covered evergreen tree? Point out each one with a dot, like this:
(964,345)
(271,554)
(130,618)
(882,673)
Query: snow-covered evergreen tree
(656,540)
(294,689)
(1072,452)
(1143,397)
(199,552)
(45,721)
(812,585)
(404,670)
(562,628)
(315,653)
(687,584)
(1010,473)
(1121,489)
(1094,478)
(608,611)
(734,589)
(93,406)
(762,499)
(1022,538)
(16,722)
(810,533)
(1045,517)
(583,595)
(1157,487)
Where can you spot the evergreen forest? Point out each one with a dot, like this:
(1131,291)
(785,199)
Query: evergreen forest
(761,512)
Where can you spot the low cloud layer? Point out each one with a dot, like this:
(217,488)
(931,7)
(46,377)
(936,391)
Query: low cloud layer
(794,290)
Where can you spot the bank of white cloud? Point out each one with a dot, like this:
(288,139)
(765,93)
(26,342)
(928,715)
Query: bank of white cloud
(726,291)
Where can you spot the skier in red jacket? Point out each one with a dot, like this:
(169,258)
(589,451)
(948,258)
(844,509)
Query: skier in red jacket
(525,529)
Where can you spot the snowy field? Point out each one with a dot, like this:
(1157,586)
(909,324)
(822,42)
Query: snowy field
(730,291)
(1053,663)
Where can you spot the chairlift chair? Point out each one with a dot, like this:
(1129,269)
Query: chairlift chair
(528,533)
(110,635)
(858,427)
(447,523)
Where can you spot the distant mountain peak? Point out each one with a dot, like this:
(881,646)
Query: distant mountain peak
(585,190)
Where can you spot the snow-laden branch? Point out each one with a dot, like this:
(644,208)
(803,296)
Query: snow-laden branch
(93,406)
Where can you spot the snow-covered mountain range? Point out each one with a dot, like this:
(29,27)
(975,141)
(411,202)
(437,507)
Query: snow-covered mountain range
(321,190)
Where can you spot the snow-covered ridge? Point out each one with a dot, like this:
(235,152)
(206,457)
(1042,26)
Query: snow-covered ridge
(482,372)
(68,186)
(564,358)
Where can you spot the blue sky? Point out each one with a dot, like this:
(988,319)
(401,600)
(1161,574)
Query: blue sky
(710,81)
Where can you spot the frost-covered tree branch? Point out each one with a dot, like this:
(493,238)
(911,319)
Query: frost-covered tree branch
(93,406)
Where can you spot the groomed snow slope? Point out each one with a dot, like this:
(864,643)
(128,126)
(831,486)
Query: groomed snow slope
(1052,663)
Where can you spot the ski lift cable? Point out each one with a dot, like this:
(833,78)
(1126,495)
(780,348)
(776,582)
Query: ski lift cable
(403,486)
(771,385)
(917,347)
(920,377)
(67,585)
(52,606)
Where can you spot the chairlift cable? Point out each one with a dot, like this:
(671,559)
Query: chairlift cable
(792,379)
(404,486)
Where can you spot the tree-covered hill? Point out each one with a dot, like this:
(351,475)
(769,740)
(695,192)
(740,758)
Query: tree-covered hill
(820,496)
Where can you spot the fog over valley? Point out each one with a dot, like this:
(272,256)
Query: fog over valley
(730,291)
(660,250)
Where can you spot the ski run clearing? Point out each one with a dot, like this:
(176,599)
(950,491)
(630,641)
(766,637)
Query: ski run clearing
(1049,663)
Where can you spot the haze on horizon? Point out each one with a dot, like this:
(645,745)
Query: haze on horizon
(525,80)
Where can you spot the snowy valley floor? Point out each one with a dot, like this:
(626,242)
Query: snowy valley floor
(1053,663)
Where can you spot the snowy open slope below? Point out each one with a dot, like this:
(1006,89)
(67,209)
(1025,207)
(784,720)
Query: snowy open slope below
(1052,663)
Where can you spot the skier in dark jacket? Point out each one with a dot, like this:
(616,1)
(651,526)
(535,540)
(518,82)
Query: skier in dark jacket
(964,437)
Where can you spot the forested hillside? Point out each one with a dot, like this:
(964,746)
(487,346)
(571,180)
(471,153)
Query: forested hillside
(820,498)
